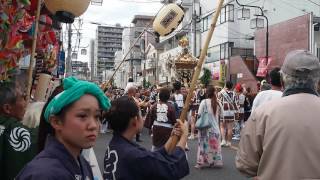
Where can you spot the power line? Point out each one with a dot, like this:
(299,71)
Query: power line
(289,4)
(314,2)
(144,2)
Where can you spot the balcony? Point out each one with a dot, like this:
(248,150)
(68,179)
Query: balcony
(135,55)
(105,56)
(110,45)
(150,64)
(108,40)
(110,35)
(109,30)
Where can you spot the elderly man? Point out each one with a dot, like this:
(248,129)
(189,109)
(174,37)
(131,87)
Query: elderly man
(281,137)
(17,142)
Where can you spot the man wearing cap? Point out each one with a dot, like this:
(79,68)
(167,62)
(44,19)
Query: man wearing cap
(281,137)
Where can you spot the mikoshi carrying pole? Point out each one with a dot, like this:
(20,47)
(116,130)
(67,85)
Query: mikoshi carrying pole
(170,16)
(33,50)
(124,58)
(196,74)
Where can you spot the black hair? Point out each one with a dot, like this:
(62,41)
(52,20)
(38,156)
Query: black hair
(121,112)
(45,128)
(8,93)
(229,85)
(130,79)
(274,76)
(164,94)
(177,86)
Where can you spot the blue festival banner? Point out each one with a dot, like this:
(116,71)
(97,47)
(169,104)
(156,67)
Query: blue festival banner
(61,66)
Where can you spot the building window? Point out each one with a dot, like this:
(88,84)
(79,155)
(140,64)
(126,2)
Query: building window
(220,51)
(223,51)
(214,53)
(205,24)
(230,10)
(223,15)
(227,13)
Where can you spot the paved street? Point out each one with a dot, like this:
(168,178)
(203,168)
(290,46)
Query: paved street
(228,172)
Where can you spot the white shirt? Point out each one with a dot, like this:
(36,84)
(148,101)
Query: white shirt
(179,100)
(265,96)
(129,85)
(241,98)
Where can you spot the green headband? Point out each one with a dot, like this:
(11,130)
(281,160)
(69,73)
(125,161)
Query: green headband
(74,89)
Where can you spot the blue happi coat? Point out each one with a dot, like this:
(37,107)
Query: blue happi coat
(125,160)
(56,163)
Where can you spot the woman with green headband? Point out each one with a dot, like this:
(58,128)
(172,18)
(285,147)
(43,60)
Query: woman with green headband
(70,123)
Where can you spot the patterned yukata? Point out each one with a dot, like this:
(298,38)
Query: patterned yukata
(209,146)
(240,99)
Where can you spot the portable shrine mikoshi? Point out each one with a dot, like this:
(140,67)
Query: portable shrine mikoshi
(184,64)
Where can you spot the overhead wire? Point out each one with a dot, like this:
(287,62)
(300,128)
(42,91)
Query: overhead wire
(314,3)
(143,2)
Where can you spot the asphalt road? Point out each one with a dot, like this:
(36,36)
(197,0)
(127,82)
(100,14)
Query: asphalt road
(228,172)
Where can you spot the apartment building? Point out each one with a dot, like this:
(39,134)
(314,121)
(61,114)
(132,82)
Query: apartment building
(109,40)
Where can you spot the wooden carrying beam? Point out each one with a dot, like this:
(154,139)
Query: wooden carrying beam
(196,74)
(33,51)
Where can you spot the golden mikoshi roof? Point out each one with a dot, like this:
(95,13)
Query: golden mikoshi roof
(185,61)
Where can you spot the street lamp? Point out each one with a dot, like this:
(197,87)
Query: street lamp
(244,13)
(256,22)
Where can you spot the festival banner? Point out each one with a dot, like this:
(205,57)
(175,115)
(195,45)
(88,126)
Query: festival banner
(222,75)
(263,66)
(61,63)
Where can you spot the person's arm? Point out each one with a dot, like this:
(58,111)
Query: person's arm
(250,148)
(180,130)
(220,112)
(171,114)
(201,107)
(150,118)
(161,165)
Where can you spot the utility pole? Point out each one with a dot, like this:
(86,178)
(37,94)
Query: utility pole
(194,18)
(69,61)
(131,65)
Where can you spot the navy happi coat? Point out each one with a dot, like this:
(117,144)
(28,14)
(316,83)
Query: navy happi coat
(56,163)
(126,160)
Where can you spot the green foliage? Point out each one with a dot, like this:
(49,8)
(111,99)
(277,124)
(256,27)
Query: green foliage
(206,77)
(146,84)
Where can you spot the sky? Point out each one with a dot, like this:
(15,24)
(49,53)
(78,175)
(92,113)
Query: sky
(110,13)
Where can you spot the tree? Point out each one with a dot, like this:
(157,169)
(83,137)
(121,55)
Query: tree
(206,77)
(146,83)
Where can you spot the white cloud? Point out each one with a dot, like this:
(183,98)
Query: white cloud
(112,12)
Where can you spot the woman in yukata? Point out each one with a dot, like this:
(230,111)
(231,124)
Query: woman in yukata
(126,160)
(70,123)
(209,147)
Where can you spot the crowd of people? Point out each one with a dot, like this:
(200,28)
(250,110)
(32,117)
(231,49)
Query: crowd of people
(49,140)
